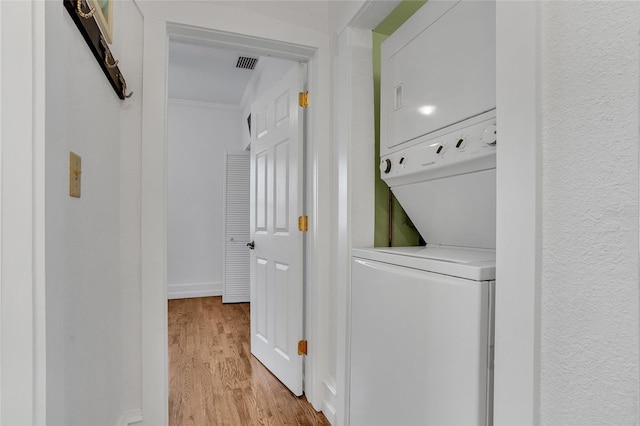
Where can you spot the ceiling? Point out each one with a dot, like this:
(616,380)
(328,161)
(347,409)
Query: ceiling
(205,73)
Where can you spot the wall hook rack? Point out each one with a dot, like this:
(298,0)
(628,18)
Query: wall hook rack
(82,15)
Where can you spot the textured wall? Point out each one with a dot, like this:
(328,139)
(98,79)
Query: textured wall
(589,98)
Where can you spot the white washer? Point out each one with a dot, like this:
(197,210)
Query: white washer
(422,317)
(422,343)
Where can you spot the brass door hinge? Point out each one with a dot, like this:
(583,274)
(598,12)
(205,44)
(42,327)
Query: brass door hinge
(303,99)
(303,223)
(302,347)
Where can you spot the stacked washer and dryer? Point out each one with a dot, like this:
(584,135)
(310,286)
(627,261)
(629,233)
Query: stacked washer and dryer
(422,317)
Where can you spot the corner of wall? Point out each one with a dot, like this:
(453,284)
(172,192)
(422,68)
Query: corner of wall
(130,417)
(189,290)
(329,401)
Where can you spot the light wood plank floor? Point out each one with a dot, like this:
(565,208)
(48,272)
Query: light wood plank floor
(214,379)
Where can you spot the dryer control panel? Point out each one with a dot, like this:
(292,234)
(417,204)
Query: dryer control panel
(464,150)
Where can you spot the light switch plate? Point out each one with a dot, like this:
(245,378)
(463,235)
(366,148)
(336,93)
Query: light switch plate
(75,174)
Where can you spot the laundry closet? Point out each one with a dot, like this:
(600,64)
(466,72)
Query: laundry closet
(422,317)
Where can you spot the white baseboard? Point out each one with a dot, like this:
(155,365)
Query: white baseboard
(329,401)
(236,299)
(130,417)
(185,291)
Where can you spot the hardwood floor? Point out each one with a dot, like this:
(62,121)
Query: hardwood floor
(214,379)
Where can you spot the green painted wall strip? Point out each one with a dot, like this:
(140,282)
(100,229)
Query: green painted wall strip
(398,16)
(404,233)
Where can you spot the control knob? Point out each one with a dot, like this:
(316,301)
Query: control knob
(385,166)
(489,135)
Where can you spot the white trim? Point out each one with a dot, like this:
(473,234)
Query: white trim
(155,368)
(22,315)
(245,43)
(316,267)
(2,61)
(329,402)
(355,151)
(130,417)
(2,153)
(518,245)
(370,14)
(203,104)
(189,290)
(39,290)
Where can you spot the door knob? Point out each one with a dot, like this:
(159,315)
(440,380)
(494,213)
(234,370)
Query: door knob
(251,245)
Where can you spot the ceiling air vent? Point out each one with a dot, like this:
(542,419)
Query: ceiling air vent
(246,62)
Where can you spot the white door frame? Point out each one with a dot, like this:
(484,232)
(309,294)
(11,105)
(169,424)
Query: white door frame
(22,155)
(519,215)
(300,44)
(354,150)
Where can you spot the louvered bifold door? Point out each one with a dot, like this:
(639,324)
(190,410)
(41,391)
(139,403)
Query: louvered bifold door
(236,286)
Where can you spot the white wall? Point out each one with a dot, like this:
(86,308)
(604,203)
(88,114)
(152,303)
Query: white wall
(22,296)
(341,13)
(589,99)
(361,14)
(198,137)
(310,13)
(85,280)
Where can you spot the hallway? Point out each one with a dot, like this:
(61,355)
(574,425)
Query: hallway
(214,380)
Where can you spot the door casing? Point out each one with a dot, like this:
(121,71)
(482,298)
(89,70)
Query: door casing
(154,194)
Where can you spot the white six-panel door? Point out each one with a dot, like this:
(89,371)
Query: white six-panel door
(276,203)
